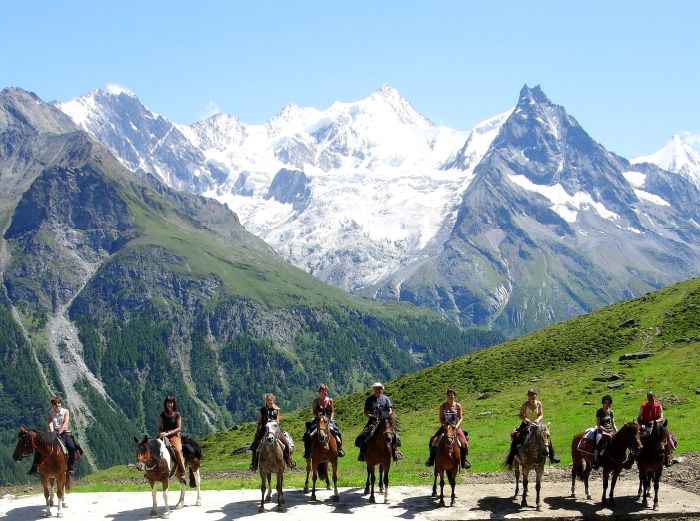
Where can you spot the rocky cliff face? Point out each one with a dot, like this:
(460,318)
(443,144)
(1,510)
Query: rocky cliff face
(117,289)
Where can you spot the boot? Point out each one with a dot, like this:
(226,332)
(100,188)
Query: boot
(628,462)
(254,463)
(35,464)
(396,454)
(307,448)
(341,452)
(361,455)
(553,458)
(181,471)
(465,463)
(431,459)
(288,459)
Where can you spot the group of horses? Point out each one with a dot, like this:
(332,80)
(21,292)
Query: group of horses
(154,457)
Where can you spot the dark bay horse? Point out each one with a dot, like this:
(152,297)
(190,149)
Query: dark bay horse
(378,452)
(532,455)
(271,461)
(53,469)
(447,460)
(153,457)
(611,459)
(324,450)
(650,461)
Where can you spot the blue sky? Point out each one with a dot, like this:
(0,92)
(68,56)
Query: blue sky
(628,71)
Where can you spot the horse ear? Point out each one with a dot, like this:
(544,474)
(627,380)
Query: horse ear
(665,423)
(145,438)
(136,440)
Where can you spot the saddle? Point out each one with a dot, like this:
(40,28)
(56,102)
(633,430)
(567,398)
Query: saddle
(166,445)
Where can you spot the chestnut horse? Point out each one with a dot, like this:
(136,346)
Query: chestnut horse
(532,454)
(324,450)
(378,452)
(650,461)
(53,469)
(611,459)
(153,457)
(447,459)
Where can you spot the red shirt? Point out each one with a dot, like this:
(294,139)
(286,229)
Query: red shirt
(651,411)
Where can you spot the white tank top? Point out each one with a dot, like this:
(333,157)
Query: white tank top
(57,418)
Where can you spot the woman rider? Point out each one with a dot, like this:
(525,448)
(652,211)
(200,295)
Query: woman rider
(605,427)
(58,424)
(450,412)
(268,413)
(530,412)
(322,406)
(170,427)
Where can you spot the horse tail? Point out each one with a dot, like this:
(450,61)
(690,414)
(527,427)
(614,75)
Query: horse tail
(580,469)
(322,470)
(192,481)
(69,481)
(190,448)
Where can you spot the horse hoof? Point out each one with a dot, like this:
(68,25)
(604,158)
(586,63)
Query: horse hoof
(572,495)
(198,503)
(60,514)
(335,499)
(165,515)
(365,492)
(306,490)
(441,503)
(539,508)
(313,497)
(371,500)
(656,506)
(261,510)
(153,512)
(328,487)
(179,506)
(588,496)
(47,514)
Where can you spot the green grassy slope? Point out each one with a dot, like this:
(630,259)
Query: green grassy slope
(564,359)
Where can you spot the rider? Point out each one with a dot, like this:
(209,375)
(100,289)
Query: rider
(322,406)
(268,413)
(170,427)
(650,412)
(449,412)
(376,404)
(530,412)
(605,428)
(58,424)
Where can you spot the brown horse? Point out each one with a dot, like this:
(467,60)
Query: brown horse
(611,459)
(324,450)
(53,469)
(447,459)
(271,461)
(153,457)
(532,454)
(378,452)
(650,461)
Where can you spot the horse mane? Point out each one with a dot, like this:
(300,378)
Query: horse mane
(45,438)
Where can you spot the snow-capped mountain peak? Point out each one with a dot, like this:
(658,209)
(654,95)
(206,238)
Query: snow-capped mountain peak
(675,156)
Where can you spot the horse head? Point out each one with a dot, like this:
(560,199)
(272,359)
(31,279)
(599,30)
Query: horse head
(271,431)
(143,453)
(631,436)
(659,437)
(24,445)
(323,430)
(450,432)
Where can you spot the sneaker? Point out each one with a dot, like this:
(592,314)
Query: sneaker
(554,459)
(466,464)
(341,453)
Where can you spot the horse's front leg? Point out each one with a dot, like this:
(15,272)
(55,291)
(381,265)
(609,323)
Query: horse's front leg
(441,503)
(263,485)
(336,496)
(269,488)
(367,483)
(538,483)
(613,482)
(641,485)
(381,482)
(452,476)
(154,508)
(586,475)
(435,476)
(47,494)
(308,472)
(657,478)
(60,489)
(198,484)
(166,513)
(523,503)
(604,500)
(516,472)
(181,501)
(280,492)
(313,482)
(372,478)
(386,483)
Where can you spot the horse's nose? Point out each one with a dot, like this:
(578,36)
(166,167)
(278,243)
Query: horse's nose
(140,466)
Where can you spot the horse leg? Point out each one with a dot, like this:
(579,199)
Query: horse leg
(538,483)
(336,496)
(366,483)
(435,476)
(60,488)
(641,484)
(45,484)
(381,473)
(526,473)
(154,509)
(657,478)
(441,503)
(308,471)
(452,476)
(586,475)
(263,486)
(386,482)
(516,471)
(613,482)
(269,488)
(280,493)
(181,501)
(313,482)
(574,473)
(372,478)
(604,500)
(166,513)
(647,482)
(198,484)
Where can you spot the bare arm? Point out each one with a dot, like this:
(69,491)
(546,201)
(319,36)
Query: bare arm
(459,415)
(540,412)
(440,419)
(661,414)
(330,400)
(160,426)
(639,415)
(313,408)
(63,428)
(50,423)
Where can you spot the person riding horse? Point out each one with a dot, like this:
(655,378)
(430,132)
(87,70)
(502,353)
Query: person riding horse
(605,428)
(449,412)
(530,412)
(58,424)
(322,406)
(268,413)
(170,428)
(376,405)
(651,413)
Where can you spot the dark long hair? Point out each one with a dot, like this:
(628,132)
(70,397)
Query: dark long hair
(170,398)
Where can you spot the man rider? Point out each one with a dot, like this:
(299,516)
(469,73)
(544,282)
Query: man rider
(375,405)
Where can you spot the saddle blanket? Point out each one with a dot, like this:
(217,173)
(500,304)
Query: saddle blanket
(586,445)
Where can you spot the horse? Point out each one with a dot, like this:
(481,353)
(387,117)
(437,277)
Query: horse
(611,459)
(53,469)
(324,450)
(447,459)
(532,454)
(378,452)
(650,461)
(271,460)
(153,457)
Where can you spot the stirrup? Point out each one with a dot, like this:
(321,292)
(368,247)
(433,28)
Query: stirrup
(398,455)
(466,465)
(341,453)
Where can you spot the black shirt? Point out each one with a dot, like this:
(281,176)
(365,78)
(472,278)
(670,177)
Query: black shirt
(169,423)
